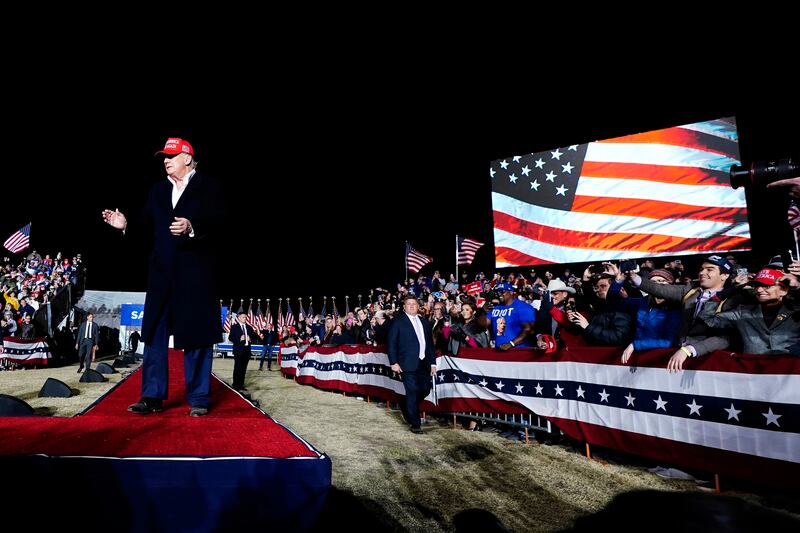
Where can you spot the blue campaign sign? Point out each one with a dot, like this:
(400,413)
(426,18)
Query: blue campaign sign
(131,314)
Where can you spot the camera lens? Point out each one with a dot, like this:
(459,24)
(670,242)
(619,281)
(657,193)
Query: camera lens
(763,172)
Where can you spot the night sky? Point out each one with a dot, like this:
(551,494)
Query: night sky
(323,192)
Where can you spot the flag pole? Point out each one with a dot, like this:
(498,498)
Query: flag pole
(796,247)
(457,278)
(405,279)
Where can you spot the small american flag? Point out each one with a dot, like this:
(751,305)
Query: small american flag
(268,320)
(251,319)
(19,240)
(415,259)
(258,319)
(227,325)
(794,217)
(467,249)
(289,320)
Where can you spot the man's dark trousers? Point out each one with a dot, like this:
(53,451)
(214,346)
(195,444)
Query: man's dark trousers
(155,374)
(418,386)
(241,356)
(85,350)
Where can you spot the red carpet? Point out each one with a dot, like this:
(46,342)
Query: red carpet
(231,470)
(233,427)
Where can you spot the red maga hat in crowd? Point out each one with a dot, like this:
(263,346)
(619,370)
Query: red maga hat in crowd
(768,276)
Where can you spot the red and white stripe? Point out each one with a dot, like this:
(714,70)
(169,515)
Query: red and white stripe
(289,320)
(228,321)
(466,251)
(416,260)
(19,240)
(794,216)
(26,351)
(644,195)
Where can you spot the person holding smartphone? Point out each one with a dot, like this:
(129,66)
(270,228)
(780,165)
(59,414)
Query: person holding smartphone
(695,337)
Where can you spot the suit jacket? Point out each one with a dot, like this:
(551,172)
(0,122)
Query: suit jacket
(403,345)
(93,333)
(694,330)
(269,337)
(235,336)
(183,269)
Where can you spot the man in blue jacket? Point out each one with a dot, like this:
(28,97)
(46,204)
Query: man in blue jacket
(185,214)
(411,354)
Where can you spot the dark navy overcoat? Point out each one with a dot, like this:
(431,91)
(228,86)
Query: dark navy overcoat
(183,269)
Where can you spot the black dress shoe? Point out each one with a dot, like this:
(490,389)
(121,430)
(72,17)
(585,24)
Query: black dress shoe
(418,431)
(80,368)
(146,406)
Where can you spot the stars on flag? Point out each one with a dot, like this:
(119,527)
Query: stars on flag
(661,404)
(694,409)
(733,413)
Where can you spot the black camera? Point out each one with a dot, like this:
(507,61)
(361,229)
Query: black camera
(764,172)
(628,266)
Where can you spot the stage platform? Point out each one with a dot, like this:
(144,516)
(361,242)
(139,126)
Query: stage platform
(235,468)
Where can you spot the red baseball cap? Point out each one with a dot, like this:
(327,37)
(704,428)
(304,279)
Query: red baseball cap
(176,146)
(550,343)
(768,276)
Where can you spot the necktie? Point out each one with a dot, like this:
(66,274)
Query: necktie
(701,299)
(88,330)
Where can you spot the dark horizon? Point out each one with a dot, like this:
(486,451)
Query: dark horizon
(318,210)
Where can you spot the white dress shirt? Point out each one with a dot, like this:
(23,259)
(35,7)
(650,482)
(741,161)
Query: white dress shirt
(420,334)
(244,331)
(176,192)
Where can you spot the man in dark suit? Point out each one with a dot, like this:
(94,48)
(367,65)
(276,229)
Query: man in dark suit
(242,336)
(411,353)
(269,337)
(186,214)
(88,332)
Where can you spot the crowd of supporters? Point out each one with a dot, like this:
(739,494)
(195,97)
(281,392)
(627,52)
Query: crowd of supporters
(716,306)
(30,285)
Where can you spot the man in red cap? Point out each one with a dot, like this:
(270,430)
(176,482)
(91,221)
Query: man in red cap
(187,215)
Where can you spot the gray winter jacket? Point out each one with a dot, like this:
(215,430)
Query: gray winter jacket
(757,337)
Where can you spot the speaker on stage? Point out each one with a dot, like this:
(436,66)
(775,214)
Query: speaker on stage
(54,388)
(105,368)
(11,406)
(92,376)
